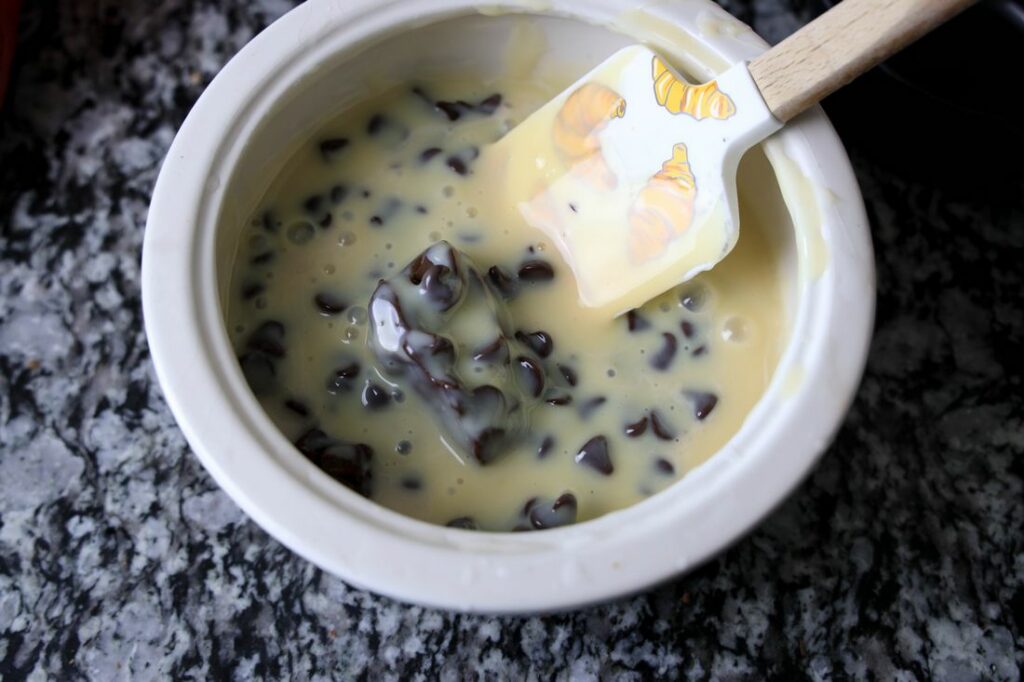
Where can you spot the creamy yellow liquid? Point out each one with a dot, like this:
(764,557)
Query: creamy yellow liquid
(286,259)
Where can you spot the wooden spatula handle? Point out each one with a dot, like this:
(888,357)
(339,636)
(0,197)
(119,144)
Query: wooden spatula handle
(840,45)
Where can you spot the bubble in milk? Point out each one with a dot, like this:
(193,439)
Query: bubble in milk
(346,238)
(736,329)
(300,232)
(356,315)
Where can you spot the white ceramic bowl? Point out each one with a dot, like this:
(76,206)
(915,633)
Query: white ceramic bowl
(311,63)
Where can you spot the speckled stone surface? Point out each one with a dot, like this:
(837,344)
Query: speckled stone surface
(902,557)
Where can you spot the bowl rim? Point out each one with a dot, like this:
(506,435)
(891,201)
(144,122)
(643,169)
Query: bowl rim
(378,549)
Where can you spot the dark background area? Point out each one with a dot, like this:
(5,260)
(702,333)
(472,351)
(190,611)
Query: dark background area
(901,556)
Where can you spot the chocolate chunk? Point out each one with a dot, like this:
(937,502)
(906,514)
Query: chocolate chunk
(663,466)
(635,322)
(569,374)
(330,148)
(326,221)
(338,194)
(268,338)
(588,407)
(251,291)
(561,512)
(559,400)
(530,375)
(594,454)
(545,447)
(505,283)
(703,403)
(699,351)
(411,482)
(637,428)
(341,379)
(664,357)
(536,271)
(312,204)
(427,154)
(453,110)
(688,329)
(421,209)
(662,430)
(298,407)
(329,304)
(459,108)
(374,397)
(422,95)
(540,342)
(462,522)
(347,463)
(262,258)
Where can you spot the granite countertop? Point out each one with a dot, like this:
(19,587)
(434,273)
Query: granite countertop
(901,557)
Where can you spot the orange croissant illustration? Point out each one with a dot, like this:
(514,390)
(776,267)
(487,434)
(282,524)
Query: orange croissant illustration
(664,207)
(680,97)
(585,114)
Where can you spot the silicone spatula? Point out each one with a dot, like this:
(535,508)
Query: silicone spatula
(631,171)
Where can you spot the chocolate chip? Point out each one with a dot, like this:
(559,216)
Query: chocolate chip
(386,211)
(636,323)
(329,148)
(411,482)
(270,222)
(374,397)
(530,376)
(503,282)
(536,271)
(422,210)
(664,466)
(329,304)
(463,522)
(588,407)
(561,512)
(569,374)
(341,379)
(251,291)
(422,95)
(326,221)
(457,165)
(559,400)
(637,428)
(453,110)
(259,371)
(376,124)
(594,454)
(699,351)
(545,447)
(703,403)
(662,430)
(338,194)
(664,357)
(495,352)
(268,338)
(489,105)
(540,342)
(312,204)
(687,328)
(262,258)
(427,154)
(347,463)
(297,407)
(694,298)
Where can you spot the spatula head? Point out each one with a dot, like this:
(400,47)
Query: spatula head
(631,172)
